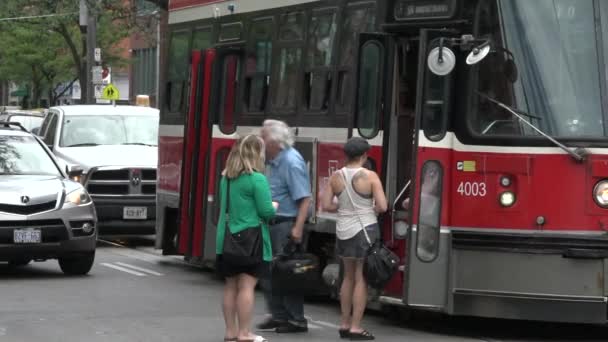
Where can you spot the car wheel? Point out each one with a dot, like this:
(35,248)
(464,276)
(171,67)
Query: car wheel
(78,265)
(19,262)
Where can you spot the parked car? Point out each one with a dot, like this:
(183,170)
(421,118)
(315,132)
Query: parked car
(117,149)
(29,119)
(43,213)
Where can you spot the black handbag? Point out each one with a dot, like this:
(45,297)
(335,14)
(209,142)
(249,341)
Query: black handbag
(242,249)
(295,272)
(380,262)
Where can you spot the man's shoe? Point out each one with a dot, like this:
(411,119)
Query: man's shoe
(270,324)
(291,328)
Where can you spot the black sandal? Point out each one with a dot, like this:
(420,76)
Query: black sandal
(344,333)
(361,336)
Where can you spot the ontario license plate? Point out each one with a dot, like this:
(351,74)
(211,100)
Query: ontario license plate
(135,213)
(27,236)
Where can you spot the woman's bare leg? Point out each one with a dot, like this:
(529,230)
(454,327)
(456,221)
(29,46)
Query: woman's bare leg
(359,298)
(346,291)
(229,307)
(245,302)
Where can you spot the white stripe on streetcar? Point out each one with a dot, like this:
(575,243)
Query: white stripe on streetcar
(141,269)
(126,270)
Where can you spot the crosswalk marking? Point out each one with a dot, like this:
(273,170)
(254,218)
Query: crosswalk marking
(141,269)
(139,274)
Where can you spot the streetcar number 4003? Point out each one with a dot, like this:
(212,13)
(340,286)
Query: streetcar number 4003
(472,189)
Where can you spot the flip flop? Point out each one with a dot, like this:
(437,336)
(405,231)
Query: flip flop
(256,339)
(361,336)
(344,333)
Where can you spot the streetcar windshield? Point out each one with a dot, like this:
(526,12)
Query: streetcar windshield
(547,61)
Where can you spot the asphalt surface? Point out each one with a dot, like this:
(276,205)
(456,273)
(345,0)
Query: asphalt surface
(134,294)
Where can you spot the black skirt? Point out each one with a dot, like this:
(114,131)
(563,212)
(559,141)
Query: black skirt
(227,270)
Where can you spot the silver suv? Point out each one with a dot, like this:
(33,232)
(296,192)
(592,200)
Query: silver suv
(117,148)
(43,213)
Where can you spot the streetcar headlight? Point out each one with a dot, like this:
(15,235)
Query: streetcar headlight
(507,199)
(600,194)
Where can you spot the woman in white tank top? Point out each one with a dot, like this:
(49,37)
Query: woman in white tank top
(360,198)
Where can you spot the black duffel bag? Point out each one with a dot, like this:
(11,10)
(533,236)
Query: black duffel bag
(294,271)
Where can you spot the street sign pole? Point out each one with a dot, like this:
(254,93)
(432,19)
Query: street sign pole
(91,45)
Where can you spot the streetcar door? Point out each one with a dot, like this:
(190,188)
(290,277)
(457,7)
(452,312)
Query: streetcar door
(427,266)
(196,141)
(209,133)
(222,125)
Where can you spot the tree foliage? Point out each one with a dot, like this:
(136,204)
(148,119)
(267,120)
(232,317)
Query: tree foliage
(45,51)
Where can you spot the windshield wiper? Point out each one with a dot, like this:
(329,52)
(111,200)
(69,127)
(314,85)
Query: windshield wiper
(83,144)
(579,154)
(139,144)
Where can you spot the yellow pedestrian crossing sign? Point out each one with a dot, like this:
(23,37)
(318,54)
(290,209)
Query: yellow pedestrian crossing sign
(110,92)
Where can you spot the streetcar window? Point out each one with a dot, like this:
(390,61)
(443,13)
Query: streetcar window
(370,88)
(201,38)
(321,33)
(230,70)
(292,26)
(356,20)
(178,71)
(287,70)
(230,32)
(285,79)
(257,66)
(436,102)
(429,215)
(553,47)
(220,165)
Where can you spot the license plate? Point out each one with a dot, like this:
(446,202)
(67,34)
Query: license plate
(135,213)
(27,236)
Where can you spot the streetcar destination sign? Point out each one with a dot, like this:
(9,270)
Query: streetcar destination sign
(424,9)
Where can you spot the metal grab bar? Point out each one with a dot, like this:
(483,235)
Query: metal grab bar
(401,193)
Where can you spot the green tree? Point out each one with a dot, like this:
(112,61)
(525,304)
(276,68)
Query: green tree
(46,45)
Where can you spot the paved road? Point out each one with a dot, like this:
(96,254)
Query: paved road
(137,295)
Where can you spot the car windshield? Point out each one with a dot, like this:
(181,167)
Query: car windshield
(23,155)
(91,130)
(546,61)
(28,122)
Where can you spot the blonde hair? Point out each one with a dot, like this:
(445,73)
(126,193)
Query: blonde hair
(246,156)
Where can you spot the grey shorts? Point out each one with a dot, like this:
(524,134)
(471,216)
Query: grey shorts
(357,246)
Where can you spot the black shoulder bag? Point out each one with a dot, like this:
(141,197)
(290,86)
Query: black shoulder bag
(380,263)
(242,249)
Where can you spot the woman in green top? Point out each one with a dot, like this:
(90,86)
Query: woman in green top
(250,205)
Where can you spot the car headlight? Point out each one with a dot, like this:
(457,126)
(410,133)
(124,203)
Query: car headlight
(600,194)
(78,197)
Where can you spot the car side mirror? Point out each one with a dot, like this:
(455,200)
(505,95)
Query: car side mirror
(74,172)
(36,130)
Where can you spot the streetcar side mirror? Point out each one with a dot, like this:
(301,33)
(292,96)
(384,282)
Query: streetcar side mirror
(441,60)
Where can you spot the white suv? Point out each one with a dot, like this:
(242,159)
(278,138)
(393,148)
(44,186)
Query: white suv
(117,149)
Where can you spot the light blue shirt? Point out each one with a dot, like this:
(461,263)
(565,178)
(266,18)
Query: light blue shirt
(289,181)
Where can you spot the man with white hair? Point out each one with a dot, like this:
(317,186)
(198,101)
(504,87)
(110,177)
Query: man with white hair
(290,185)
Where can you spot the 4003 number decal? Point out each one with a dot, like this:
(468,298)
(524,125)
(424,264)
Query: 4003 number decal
(472,189)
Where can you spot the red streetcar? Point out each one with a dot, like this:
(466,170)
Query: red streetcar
(489,126)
